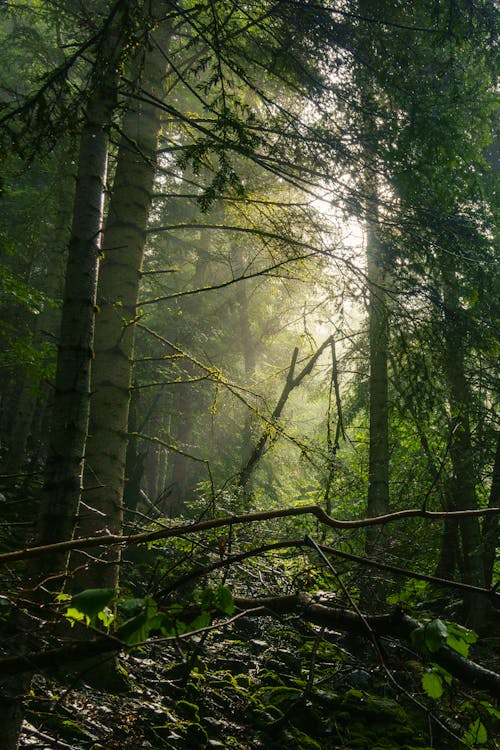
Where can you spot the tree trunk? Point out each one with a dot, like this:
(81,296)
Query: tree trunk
(378,466)
(461,451)
(69,422)
(270,432)
(63,473)
(47,322)
(119,277)
(490,523)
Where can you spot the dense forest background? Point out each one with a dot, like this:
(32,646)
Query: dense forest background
(249,439)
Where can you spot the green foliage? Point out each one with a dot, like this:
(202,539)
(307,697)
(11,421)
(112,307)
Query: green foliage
(433,684)
(476,734)
(90,606)
(212,600)
(460,638)
(429,638)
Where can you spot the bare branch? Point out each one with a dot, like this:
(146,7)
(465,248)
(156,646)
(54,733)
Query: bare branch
(216,523)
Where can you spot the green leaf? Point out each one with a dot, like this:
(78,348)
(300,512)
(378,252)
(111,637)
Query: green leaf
(202,621)
(224,600)
(476,733)
(417,639)
(433,685)
(138,628)
(460,638)
(458,645)
(134,630)
(106,616)
(92,601)
(130,606)
(490,709)
(435,633)
(75,615)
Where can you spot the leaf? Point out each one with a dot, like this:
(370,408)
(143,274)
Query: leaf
(224,600)
(458,645)
(134,630)
(138,628)
(129,606)
(417,639)
(106,616)
(460,638)
(202,621)
(435,633)
(92,601)
(476,733)
(490,709)
(75,615)
(433,685)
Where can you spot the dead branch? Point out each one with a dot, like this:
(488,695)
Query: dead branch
(397,624)
(216,523)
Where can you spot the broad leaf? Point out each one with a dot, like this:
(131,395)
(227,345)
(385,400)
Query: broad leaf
(476,734)
(224,600)
(433,685)
(436,633)
(92,601)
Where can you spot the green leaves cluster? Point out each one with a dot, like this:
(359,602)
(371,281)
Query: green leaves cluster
(138,618)
(429,639)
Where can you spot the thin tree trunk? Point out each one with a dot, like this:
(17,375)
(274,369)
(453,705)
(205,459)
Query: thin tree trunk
(490,523)
(378,468)
(47,322)
(461,452)
(269,434)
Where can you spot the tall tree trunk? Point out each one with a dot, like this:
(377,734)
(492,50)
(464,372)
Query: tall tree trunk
(32,391)
(63,472)
(180,480)
(249,361)
(490,524)
(378,467)
(462,455)
(119,277)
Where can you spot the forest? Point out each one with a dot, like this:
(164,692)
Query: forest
(249,433)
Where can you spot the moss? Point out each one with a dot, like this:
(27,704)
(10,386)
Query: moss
(189,711)
(302,740)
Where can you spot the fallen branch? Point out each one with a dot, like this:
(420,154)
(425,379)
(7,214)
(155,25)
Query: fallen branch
(225,562)
(216,523)
(397,624)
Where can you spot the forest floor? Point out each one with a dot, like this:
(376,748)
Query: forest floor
(258,685)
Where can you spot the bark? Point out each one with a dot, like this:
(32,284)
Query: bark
(180,480)
(332,441)
(33,394)
(247,345)
(463,491)
(63,472)
(378,469)
(490,523)
(110,540)
(119,277)
(372,588)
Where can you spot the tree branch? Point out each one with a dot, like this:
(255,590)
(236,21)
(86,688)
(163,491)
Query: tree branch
(396,624)
(216,523)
